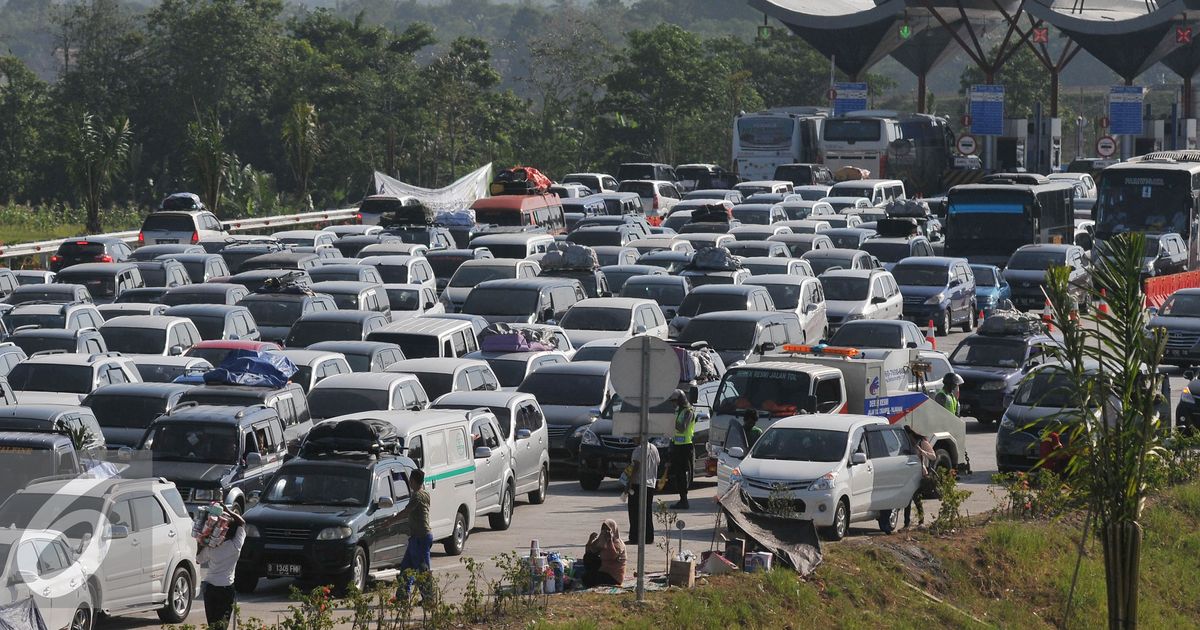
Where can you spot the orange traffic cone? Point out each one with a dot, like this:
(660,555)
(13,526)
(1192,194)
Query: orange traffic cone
(1102,308)
(1047,318)
(930,336)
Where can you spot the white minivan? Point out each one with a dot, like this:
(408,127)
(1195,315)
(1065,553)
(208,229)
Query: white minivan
(837,468)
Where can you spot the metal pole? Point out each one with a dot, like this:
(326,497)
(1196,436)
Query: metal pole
(643,428)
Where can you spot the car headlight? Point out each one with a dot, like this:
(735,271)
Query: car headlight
(936,299)
(1006,423)
(1187,397)
(203,494)
(735,476)
(660,442)
(334,533)
(824,483)
(852,317)
(991,386)
(251,531)
(588,437)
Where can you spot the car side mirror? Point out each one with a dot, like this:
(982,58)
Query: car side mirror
(1152,311)
(765,347)
(254,460)
(911,344)
(737,452)
(858,459)
(117,532)
(703,415)
(255,496)
(235,337)
(811,308)
(878,299)
(24,576)
(524,434)
(383,503)
(639,330)
(428,305)
(954,282)
(483,452)
(548,315)
(176,351)
(125,453)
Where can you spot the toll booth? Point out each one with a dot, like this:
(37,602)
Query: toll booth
(1011,147)
(1044,153)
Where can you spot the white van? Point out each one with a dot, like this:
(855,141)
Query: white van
(439,442)
(878,191)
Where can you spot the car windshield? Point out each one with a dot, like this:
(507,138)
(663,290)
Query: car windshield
(821,264)
(664,294)
(50,377)
(156,373)
(985,277)
(801,445)
(510,372)
(304,334)
(38,320)
(329,402)
(752,217)
(886,251)
(778,392)
(445,266)
(471,275)
(412,345)
(391,274)
(404,299)
(596,238)
(1181,305)
(785,296)
(335,275)
(985,352)
(699,303)
(124,411)
(194,442)
(323,486)
(865,335)
(104,286)
(763,268)
(845,288)
(1035,260)
(921,275)
(274,312)
(54,295)
(595,353)
(1047,388)
(210,327)
(617,279)
(501,302)
(135,340)
(215,355)
(597,318)
(720,334)
(577,390)
(39,343)
(347,301)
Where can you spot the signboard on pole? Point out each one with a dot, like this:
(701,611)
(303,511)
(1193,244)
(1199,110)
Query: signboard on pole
(966,144)
(848,97)
(1106,146)
(661,381)
(1125,110)
(987,110)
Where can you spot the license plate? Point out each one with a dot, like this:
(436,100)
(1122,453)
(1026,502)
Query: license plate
(167,241)
(283,570)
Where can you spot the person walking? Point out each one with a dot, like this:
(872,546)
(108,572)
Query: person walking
(220,563)
(642,478)
(927,457)
(683,449)
(947,396)
(750,425)
(420,538)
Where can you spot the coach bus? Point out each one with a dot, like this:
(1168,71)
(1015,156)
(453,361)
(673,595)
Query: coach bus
(915,148)
(1155,193)
(765,140)
(986,223)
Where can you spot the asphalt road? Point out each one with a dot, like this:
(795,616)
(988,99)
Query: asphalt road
(570,513)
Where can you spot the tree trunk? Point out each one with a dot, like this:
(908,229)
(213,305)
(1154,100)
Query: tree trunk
(1122,542)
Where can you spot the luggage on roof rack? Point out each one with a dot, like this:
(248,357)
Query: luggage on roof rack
(714,259)
(1011,322)
(456,218)
(915,208)
(290,283)
(571,257)
(516,338)
(712,213)
(897,227)
(182,201)
(850,173)
(352,435)
(520,180)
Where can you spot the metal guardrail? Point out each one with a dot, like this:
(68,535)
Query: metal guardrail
(46,248)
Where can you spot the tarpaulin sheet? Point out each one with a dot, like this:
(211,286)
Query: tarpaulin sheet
(456,196)
(21,616)
(794,542)
(251,367)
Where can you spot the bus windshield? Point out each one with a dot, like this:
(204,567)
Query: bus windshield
(1143,201)
(767,131)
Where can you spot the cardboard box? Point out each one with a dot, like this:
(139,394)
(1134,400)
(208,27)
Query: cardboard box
(682,574)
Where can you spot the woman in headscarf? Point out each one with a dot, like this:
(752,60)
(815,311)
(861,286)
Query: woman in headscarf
(604,557)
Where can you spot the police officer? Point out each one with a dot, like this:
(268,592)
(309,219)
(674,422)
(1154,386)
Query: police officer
(948,395)
(682,450)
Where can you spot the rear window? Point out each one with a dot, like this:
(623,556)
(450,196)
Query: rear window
(307,333)
(635,171)
(49,377)
(643,189)
(413,346)
(125,411)
(168,223)
(81,248)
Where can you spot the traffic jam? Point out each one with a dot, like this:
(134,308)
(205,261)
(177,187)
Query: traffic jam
(326,405)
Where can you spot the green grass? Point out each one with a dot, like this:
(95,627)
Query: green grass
(25,224)
(1004,574)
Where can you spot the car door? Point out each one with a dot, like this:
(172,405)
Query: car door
(150,519)
(380,531)
(127,557)
(884,453)
(528,442)
(860,477)
(52,592)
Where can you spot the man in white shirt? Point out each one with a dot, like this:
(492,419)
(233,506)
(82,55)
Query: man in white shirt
(644,479)
(221,564)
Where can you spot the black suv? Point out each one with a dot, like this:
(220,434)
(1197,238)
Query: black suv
(992,366)
(335,513)
(288,401)
(221,454)
(124,410)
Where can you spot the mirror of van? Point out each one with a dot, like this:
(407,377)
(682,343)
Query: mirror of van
(384,503)
(254,460)
(524,434)
(176,350)
(483,452)
(117,532)
(858,459)
(737,452)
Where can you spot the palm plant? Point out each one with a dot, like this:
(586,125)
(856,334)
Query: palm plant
(1111,361)
(301,135)
(99,153)
(208,158)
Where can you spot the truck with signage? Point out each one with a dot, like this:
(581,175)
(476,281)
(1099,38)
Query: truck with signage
(824,379)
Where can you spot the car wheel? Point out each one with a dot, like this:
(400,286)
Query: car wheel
(943,460)
(972,319)
(356,577)
(841,522)
(538,497)
(943,323)
(84,615)
(179,597)
(245,583)
(590,481)
(457,541)
(889,520)
(501,520)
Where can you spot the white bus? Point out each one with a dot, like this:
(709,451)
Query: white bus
(765,140)
(914,148)
(1155,193)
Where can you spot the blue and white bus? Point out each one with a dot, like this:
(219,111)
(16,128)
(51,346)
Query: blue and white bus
(765,140)
(1155,193)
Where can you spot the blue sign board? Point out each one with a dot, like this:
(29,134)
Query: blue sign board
(1125,110)
(849,97)
(892,407)
(987,110)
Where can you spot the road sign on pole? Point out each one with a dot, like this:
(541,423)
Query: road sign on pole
(848,97)
(644,370)
(1125,110)
(987,110)
(966,144)
(1106,146)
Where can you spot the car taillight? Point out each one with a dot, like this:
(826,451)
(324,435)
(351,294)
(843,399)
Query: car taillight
(56,258)
(104,258)
(141,238)
(195,237)
(655,206)
(358,217)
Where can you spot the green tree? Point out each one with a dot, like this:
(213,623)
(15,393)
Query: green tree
(456,87)
(301,135)
(208,159)
(99,153)
(24,120)
(1025,82)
